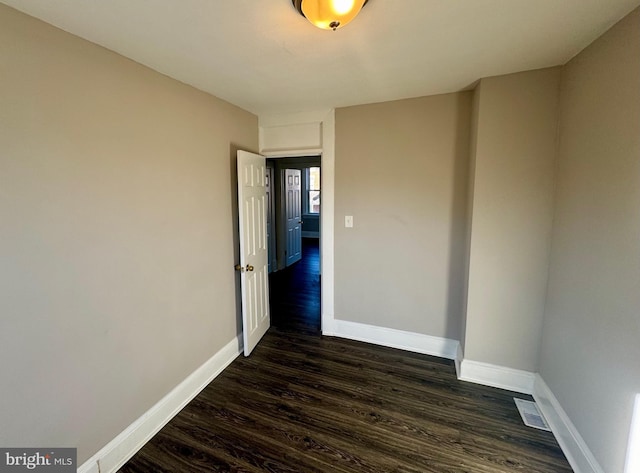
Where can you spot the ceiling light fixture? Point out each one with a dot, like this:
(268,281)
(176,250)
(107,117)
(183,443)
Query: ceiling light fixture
(329,14)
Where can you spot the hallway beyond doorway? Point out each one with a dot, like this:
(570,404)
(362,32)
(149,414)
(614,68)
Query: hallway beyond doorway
(294,292)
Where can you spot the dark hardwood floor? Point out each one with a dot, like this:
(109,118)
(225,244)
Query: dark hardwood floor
(311,404)
(307,403)
(294,292)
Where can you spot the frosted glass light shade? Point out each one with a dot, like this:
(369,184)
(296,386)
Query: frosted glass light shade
(331,14)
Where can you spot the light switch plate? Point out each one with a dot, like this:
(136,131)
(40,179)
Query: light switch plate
(348,221)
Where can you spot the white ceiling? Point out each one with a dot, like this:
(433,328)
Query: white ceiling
(264,57)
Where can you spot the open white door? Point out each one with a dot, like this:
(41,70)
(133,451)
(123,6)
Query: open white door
(254,277)
(293,209)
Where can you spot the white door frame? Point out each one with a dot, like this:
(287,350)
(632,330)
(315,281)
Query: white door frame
(326,150)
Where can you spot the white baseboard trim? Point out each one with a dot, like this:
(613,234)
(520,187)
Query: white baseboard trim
(458,360)
(573,445)
(90,466)
(328,324)
(389,337)
(116,453)
(497,376)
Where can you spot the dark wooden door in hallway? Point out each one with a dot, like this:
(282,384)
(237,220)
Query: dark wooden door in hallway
(295,292)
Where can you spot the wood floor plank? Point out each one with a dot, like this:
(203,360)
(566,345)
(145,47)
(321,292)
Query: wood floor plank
(305,403)
(294,292)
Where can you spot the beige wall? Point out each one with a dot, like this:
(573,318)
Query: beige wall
(591,340)
(401,172)
(512,215)
(473,145)
(116,235)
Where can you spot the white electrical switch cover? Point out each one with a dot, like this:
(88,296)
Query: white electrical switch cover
(348,221)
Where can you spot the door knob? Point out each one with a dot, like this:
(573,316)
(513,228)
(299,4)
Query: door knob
(249,267)
(300,222)
(237,267)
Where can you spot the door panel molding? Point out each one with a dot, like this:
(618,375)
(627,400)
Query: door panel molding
(253,266)
(293,214)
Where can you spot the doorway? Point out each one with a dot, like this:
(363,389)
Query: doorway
(295,281)
(294,292)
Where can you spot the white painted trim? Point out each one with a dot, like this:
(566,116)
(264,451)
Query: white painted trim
(90,466)
(458,360)
(327,213)
(497,376)
(632,463)
(573,445)
(293,118)
(389,337)
(116,453)
(326,118)
(292,153)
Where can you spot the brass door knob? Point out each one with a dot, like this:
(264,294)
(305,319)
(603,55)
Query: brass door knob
(249,267)
(237,267)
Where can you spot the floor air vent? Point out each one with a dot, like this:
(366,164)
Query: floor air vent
(530,414)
